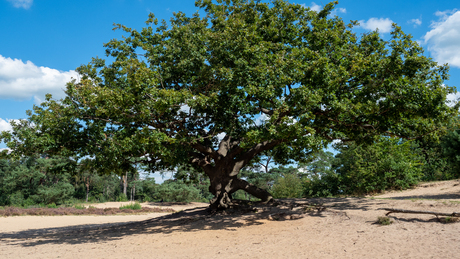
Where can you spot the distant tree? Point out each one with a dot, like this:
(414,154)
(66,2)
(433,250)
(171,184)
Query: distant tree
(194,92)
(34,180)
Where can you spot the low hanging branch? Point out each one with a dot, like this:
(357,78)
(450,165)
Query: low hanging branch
(453,214)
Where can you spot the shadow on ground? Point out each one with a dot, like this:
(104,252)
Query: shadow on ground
(196,219)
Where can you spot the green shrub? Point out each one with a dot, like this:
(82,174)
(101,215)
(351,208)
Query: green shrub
(287,186)
(132,206)
(16,199)
(79,206)
(384,221)
(56,193)
(122,197)
(52,205)
(357,170)
(176,191)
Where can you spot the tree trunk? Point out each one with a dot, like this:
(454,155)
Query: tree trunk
(223,186)
(87,188)
(125,183)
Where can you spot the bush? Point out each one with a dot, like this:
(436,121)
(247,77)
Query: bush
(132,206)
(287,186)
(176,191)
(79,206)
(122,197)
(325,186)
(16,199)
(384,221)
(52,205)
(358,170)
(56,193)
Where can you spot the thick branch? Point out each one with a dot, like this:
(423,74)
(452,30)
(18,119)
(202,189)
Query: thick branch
(240,184)
(251,153)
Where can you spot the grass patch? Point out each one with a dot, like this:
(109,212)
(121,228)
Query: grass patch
(79,207)
(132,206)
(384,221)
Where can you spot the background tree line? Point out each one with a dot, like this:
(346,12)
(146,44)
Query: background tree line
(388,163)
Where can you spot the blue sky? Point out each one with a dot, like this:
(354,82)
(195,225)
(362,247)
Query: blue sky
(43,41)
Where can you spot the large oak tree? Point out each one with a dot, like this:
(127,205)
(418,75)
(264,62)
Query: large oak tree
(218,90)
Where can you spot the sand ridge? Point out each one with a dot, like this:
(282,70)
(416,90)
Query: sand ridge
(297,228)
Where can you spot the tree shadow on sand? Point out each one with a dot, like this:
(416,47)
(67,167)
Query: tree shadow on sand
(189,220)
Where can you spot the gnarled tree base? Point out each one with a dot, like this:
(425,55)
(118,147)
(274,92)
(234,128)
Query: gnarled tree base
(223,196)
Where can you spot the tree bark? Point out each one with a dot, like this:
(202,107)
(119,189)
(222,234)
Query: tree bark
(87,188)
(223,186)
(125,184)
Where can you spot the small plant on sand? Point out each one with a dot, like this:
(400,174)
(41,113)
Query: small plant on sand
(132,206)
(52,206)
(384,221)
(449,219)
(79,206)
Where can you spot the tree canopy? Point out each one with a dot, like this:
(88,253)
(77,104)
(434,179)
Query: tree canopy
(216,91)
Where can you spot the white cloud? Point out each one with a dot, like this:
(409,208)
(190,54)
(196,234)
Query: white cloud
(313,7)
(382,24)
(416,22)
(23,81)
(8,150)
(261,119)
(5,125)
(444,38)
(338,10)
(452,99)
(26,4)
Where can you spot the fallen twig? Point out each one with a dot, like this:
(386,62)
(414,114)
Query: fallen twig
(453,214)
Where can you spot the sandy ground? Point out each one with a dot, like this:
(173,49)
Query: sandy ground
(300,228)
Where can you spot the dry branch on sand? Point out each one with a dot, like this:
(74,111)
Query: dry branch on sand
(453,214)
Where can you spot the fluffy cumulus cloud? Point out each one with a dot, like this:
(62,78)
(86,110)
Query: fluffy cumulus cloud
(338,10)
(415,22)
(314,7)
(443,39)
(22,81)
(5,125)
(22,3)
(382,24)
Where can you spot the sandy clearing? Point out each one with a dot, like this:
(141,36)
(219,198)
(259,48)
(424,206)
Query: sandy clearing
(346,229)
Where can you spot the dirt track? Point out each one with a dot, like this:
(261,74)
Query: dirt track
(346,228)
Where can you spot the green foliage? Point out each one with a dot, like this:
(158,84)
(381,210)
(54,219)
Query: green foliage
(34,180)
(362,169)
(122,197)
(79,206)
(384,221)
(451,151)
(172,90)
(132,206)
(176,191)
(287,186)
(52,205)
